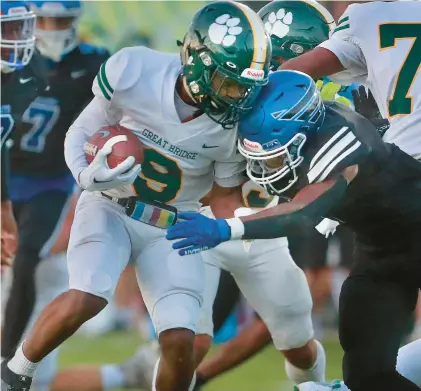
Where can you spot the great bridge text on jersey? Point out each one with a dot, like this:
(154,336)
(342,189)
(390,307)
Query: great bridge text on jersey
(168,146)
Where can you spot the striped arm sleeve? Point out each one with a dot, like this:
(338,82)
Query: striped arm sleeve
(342,150)
(109,75)
(343,24)
(119,73)
(103,83)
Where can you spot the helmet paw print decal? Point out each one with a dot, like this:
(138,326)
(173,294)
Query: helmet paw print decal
(278,24)
(224,30)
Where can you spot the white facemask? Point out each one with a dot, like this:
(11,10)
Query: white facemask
(55,44)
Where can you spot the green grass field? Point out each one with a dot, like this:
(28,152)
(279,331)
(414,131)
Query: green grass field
(265,372)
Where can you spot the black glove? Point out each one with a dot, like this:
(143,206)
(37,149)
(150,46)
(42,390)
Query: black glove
(365,104)
(381,124)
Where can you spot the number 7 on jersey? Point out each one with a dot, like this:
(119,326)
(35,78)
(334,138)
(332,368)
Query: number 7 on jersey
(389,33)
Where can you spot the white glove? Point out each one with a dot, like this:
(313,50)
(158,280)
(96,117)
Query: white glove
(327,227)
(99,177)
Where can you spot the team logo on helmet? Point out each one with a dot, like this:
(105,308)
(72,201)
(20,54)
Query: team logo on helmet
(224,30)
(278,24)
(278,114)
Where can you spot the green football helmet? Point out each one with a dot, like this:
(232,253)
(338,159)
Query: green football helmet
(295,27)
(226,56)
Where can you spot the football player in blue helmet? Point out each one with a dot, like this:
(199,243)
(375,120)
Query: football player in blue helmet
(17,46)
(41,187)
(295,27)
(329,161)
(57,23)
(17,35)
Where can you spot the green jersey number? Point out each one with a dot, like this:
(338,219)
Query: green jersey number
(160,179)
(257,198)
(389,34)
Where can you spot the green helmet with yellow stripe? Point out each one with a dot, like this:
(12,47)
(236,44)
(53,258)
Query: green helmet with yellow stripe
(295,27)
(226,57)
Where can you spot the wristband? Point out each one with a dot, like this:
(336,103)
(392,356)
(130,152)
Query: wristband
(237,228)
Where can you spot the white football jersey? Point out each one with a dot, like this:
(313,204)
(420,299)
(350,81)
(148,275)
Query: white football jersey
(182,160)
(379,43)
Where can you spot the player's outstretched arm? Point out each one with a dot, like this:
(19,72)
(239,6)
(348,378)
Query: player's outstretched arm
(307,209)
(199,233)
(341,56)
(316,63)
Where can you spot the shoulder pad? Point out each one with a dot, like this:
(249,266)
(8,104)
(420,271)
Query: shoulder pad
(86,48)
(119,73)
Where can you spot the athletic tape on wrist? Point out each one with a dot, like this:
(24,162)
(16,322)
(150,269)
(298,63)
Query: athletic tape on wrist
(237,228)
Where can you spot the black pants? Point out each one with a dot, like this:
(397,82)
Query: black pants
(310,249)
(226,299)
(37,221)
(376,306)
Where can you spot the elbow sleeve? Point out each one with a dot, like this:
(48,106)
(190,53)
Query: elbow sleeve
(293,223)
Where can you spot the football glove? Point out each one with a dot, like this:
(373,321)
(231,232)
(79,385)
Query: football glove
(327,227)
(330,90)
(99,177)
(199,233)
(364,103)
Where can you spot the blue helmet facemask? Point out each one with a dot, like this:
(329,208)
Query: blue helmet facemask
(17,35)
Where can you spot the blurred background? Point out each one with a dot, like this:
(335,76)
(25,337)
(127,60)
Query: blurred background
(158,24)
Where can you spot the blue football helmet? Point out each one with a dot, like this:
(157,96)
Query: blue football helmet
(272,137)
(17,35)
(56,42)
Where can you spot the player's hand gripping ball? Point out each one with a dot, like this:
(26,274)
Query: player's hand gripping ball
(123,141)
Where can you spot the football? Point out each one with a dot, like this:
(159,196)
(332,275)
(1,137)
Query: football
(123,141)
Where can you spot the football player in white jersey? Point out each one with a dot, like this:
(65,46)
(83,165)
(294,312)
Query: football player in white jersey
(377,44)
(264,269)
(185,113)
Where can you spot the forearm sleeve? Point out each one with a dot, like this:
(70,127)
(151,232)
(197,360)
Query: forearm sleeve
(293,223)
